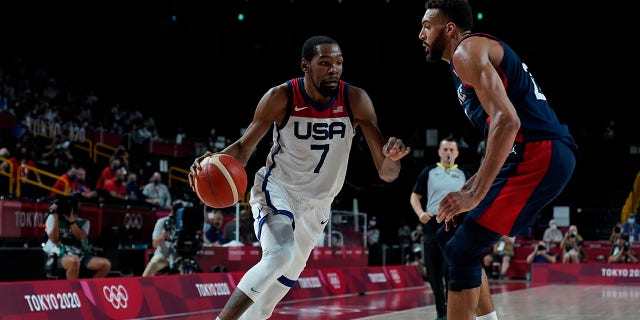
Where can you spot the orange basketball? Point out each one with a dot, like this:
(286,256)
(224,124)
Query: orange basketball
(222,181)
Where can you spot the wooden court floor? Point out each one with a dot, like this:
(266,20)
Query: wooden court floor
(550,302)
(514,300)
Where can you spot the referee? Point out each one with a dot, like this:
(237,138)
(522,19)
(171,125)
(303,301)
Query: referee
(433,183)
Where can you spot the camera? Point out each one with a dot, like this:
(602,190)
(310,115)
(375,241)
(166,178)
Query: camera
(541,248)
(64,145)
(625,247)
(572,235)
(169,224)
(616,230)
(65,204)
(185,236)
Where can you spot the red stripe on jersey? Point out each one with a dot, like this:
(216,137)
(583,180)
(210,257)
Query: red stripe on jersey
(503,212)
(307,111)
(302,107)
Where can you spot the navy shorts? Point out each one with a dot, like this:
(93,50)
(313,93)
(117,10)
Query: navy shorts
(533,175)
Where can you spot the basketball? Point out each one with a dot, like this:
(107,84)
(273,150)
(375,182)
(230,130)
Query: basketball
(222,181)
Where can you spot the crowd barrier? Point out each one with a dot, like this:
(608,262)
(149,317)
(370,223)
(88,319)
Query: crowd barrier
(244,257)
(166,295)
(585,273)
(594,249)
(20,219)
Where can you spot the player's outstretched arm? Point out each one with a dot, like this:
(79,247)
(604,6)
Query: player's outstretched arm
(270,110)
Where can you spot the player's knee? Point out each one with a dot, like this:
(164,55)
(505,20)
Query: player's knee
(464,266)
(279,259)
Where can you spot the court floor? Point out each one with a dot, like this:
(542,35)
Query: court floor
(513,300)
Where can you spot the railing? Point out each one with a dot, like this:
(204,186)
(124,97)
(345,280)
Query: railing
(40,184)
(347,228)
(8,174)
(173,175)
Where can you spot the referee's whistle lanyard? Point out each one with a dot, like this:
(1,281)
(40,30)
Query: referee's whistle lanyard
(447,169)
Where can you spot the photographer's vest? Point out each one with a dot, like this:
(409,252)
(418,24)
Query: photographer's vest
(69,243)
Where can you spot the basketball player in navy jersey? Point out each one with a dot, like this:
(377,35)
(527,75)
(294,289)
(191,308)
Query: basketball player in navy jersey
(313,119)
(530,154)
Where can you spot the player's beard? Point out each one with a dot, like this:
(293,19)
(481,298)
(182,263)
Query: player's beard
(327,91)
(436,49)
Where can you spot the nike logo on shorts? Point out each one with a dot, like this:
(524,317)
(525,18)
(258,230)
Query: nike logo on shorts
(299,108)
(324,221)
(254,290)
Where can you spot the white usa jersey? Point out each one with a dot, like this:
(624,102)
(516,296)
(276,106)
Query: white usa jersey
(311,147)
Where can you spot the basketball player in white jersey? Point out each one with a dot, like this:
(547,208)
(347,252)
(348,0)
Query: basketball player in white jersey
(314,119)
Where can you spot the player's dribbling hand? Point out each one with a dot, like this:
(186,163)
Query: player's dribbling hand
(452,205)
(395,149)
(195,169)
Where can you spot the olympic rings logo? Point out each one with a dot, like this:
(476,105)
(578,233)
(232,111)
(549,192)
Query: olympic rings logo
(133,220)
(117,296)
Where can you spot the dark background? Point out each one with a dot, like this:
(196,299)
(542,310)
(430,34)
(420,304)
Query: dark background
(207,69)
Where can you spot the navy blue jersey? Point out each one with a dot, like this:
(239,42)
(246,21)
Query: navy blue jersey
(541,160)
(538,121)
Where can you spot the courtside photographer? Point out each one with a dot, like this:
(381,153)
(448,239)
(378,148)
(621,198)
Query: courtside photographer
(621,251)
(67,247)
(177,239)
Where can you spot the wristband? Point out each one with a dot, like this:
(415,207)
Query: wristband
(72,222)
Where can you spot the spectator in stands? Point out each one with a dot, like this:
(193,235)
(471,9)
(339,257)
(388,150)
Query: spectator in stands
(414,258)
(631,227)
(157,193)
(181,136)
(67,244)
(404,237)
(4,153)
(67,184)
(417,238)
(373,242)
(57,156)
(115,187)
(212,230)
(20,173)
(615,233)
(247,234)
(541,253)
(552,234)
(337,239)
(108,172)
(571,245)
(134,190)
(621,252)
(83,187)
(122,154)
(497,262)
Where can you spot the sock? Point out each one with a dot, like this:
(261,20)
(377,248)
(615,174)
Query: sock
(489,316)
(218,318)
